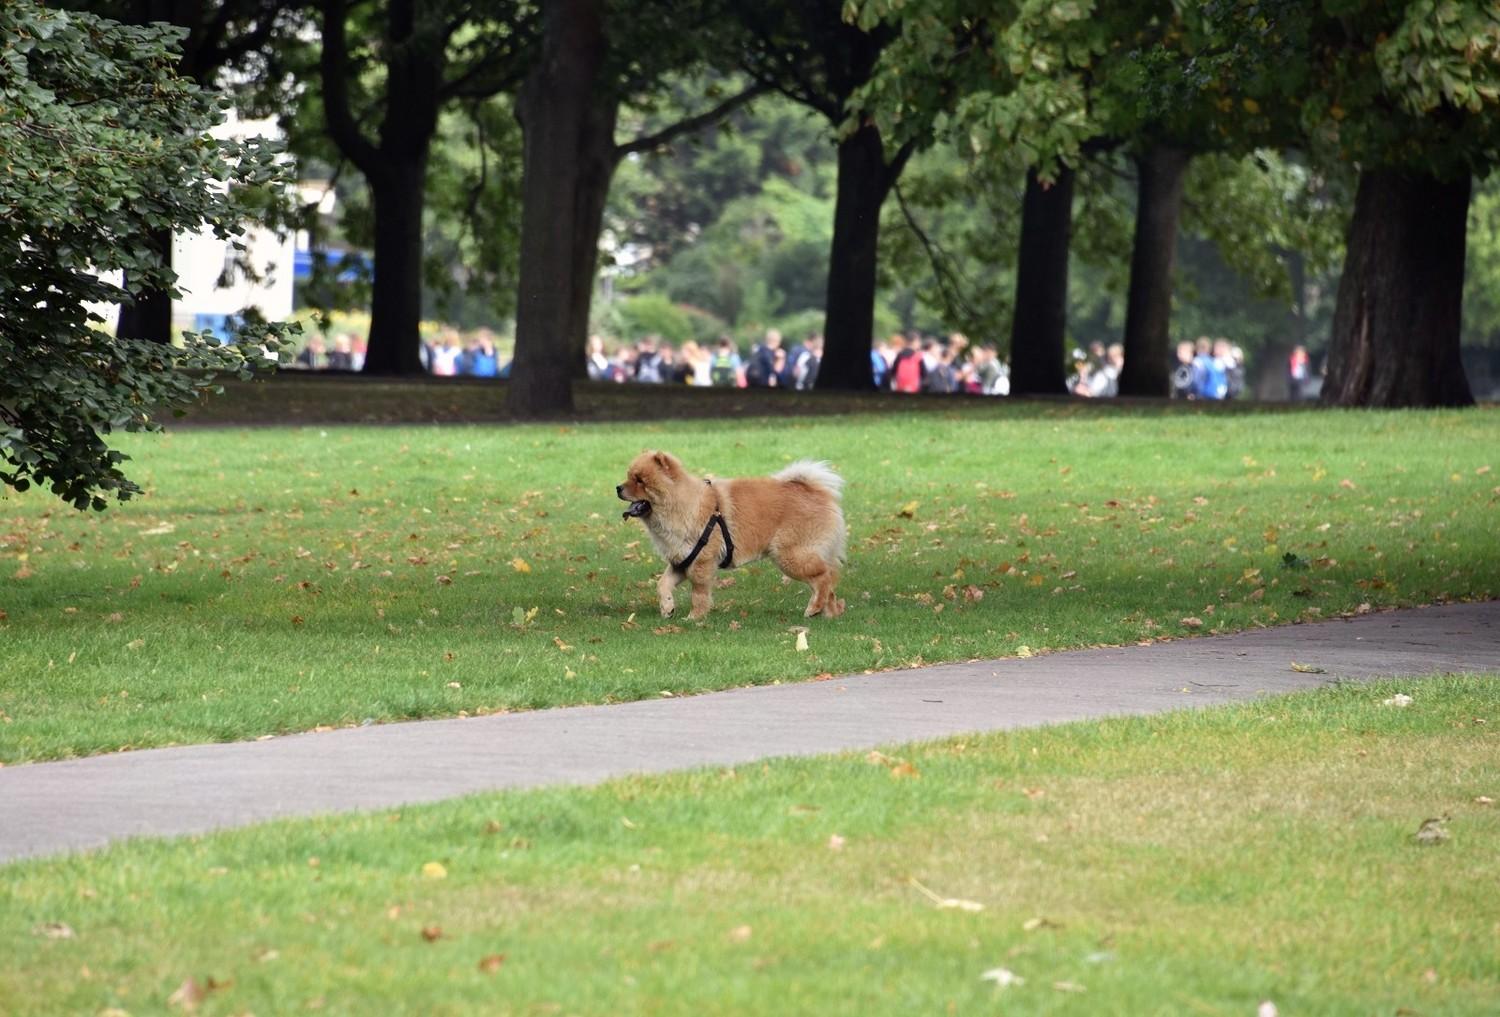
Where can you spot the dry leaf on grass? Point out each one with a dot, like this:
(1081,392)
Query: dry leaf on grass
(740,934)
(53,930)
(835,842)
(489,965)
(909,510)
(1307,668)
(1002,977)
(945,903)
(188,995)
(1432,832)
(1399,699)
(432,933)
(1192,623)
(434,870)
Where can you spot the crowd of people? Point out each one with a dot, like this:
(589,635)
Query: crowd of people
(907,362)
(1208,369)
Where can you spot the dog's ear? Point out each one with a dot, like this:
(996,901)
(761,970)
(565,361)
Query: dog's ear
(665,461)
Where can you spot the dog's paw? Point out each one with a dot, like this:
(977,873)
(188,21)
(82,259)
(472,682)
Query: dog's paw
(833,608)
(668,605)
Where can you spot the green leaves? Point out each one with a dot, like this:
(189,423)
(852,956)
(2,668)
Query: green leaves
(103,147)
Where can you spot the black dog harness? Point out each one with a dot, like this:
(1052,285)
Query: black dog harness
(716,519)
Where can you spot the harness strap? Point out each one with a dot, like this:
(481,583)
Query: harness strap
(716,519)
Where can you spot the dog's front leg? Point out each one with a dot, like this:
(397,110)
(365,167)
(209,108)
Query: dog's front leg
(703,592)
(664,587)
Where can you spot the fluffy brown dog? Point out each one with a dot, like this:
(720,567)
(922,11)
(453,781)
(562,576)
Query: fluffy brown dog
(700,526)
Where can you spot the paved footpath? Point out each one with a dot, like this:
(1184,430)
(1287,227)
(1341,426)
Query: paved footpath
(47,808)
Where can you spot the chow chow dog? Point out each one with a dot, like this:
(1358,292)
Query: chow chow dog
(699,526)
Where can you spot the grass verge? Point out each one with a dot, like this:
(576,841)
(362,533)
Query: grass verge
(1194,862)
(277,579)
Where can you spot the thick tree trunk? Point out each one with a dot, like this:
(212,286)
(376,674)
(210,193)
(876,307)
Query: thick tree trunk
(150,317)
(569,155)
(1041,315)
(849,326)
(1396,325)
(1148,311)
(398,194)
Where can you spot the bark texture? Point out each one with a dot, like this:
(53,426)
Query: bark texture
(1161,170)
(569,158)
(1041,316)
(1396,324)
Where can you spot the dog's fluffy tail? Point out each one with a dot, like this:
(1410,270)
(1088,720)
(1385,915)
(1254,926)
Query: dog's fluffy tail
(814,473)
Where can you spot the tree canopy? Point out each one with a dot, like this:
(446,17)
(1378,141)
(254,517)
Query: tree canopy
(104,142)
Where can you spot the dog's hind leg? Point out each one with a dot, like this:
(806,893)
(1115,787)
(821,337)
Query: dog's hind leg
(664,587)
(811,568)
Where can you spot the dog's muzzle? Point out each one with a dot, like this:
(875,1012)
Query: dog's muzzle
(637,509)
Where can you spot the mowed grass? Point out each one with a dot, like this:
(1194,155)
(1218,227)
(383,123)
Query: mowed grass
(277,580)
(1195,862)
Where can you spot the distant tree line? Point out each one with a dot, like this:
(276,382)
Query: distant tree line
(988,148)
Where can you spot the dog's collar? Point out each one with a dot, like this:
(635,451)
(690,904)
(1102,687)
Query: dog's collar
(717,519)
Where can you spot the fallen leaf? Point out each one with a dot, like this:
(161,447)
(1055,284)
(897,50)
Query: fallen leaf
(188,995)
(1032,924)
(1432,832)
(432,933)
(1399,699)
(740,934)
(945,903)
(1307,668)
(434,870)
(1192,623)
(53,930)
(1023,650)
(1033,793)
(135,644)
(973,593)
(1002,977)
(909,510)
(519,564)
(1484,800)
(835,842)
(489,965)
(1068,987)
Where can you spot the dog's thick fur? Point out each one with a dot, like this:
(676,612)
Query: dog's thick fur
(793,517)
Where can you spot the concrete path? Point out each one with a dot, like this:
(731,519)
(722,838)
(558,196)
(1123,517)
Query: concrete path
(52,807)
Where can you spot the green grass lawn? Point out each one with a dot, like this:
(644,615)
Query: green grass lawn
(277,580)
(1196,862)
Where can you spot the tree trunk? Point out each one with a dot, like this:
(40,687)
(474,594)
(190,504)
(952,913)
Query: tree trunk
(1148,312)
(568,131)
(150,316)
(849,325)
(1041,315)
(398,194)
(1396,324)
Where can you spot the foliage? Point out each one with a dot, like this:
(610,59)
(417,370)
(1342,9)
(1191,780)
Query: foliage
(103,143)
(635,317)
(473,214)
(1482,268)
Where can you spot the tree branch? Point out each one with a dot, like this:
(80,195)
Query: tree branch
(333,63)
(690,124)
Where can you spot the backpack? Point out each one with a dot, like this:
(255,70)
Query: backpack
(648,368)
(906,376)
(721,370)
